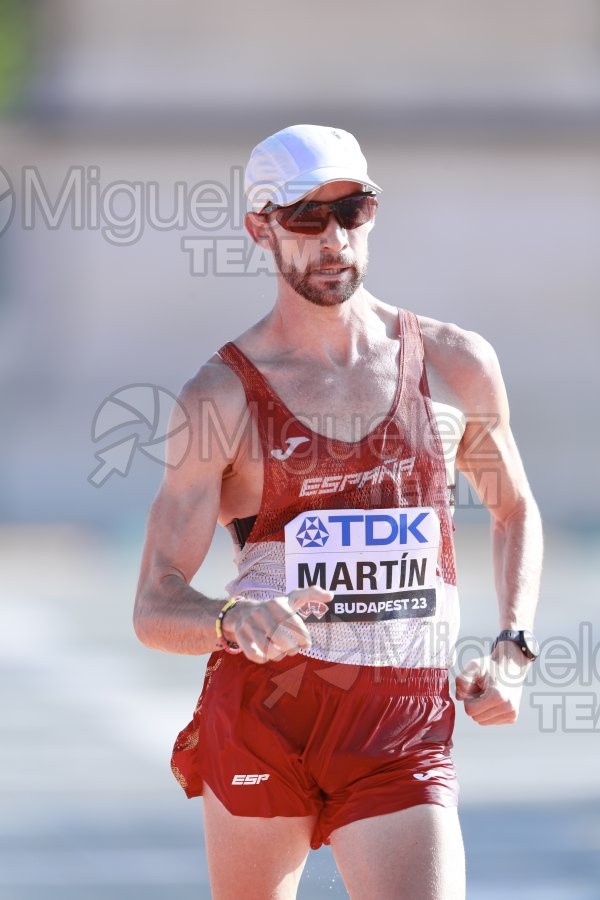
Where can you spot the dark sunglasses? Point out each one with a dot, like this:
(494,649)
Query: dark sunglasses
(312,216)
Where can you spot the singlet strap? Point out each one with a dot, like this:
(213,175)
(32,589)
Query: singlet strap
(410,331)
(414,375)
(261,398)
(255,384)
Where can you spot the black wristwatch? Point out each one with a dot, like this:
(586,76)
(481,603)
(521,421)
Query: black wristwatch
(525,639)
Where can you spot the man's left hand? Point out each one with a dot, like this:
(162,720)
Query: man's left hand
(491,687)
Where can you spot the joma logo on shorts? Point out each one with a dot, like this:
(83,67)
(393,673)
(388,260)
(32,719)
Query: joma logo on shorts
(249,779)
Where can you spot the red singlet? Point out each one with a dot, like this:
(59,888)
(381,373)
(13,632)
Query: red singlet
(363,725)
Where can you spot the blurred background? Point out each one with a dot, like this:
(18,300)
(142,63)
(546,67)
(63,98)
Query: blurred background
(123,131)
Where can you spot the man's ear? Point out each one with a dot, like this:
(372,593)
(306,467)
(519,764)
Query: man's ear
(257,227)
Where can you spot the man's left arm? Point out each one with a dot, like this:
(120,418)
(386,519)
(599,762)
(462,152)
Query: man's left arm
(491,687)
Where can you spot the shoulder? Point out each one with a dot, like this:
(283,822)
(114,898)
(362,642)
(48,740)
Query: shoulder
(462,366)
(213,403)
(464,360)
(447,341)
(214,381)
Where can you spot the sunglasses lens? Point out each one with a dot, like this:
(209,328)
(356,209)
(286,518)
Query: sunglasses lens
(304,218)
(312,218)
(354,211)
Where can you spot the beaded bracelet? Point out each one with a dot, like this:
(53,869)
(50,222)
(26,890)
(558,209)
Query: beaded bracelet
(222,641)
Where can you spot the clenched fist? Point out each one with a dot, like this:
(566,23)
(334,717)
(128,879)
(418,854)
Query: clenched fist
(267,630)
(491,688)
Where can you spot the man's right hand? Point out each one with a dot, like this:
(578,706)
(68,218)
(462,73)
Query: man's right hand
(268,630)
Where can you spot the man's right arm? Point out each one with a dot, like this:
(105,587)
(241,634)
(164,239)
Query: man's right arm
(169,614)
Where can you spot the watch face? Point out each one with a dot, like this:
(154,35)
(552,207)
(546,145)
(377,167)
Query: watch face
(530,641)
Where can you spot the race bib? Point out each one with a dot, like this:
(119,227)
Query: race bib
(379,564)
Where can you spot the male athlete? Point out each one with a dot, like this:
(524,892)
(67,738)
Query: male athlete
(325,715)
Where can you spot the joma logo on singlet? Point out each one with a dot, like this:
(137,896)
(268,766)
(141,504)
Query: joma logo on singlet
(335,484)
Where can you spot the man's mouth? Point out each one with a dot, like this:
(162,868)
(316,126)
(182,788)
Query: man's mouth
(330,270)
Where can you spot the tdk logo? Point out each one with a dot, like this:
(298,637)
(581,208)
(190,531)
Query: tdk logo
(312,533)
(379,529)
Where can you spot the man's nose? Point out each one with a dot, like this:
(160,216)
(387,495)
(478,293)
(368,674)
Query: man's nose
(334,236)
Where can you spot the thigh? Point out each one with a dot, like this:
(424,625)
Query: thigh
(251,857)
(413,854)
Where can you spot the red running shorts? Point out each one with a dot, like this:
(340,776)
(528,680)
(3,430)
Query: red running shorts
(303,737)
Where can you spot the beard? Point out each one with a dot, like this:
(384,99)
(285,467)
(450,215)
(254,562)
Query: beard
(332,294)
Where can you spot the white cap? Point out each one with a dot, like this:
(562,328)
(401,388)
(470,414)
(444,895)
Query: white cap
(293,162)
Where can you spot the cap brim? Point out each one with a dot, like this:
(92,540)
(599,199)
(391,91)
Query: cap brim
(299,188)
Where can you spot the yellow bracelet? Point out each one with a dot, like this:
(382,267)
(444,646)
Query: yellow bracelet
(230,646)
